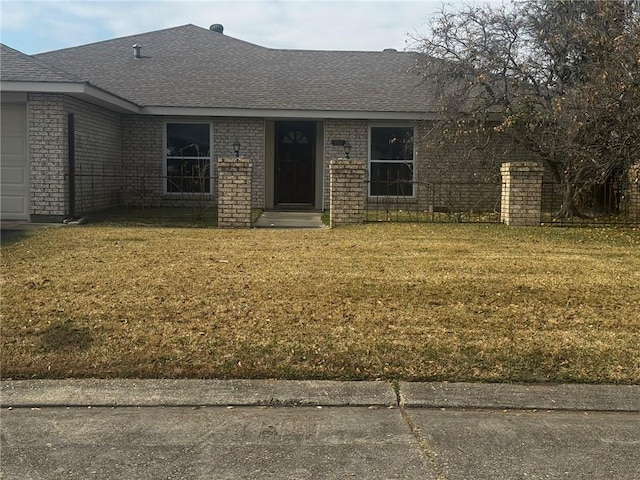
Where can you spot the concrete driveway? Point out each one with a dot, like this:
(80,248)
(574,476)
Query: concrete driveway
(12,230)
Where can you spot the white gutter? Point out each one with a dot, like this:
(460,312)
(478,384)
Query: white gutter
(282,114)
(84,91)
(93,94)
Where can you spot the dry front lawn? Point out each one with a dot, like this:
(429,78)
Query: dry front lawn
(413,302)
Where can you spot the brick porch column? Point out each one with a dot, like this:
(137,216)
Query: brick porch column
(347,190)
(521,193)
(234,192)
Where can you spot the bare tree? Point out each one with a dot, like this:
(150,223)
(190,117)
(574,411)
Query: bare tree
(561,77)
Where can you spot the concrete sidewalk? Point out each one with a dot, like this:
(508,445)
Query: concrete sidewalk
(223,429)
(148,393)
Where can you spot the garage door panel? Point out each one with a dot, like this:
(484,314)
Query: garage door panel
(14,176)
(13,145)
(14,117)
(14,171)
(13,205)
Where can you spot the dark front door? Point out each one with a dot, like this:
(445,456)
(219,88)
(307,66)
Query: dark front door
(295,164)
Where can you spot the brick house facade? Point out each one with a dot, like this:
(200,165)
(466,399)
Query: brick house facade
(124,113)
(98,149)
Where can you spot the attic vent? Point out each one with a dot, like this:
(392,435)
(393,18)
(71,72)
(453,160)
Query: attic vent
(136,51)
(216,27)
(390,50)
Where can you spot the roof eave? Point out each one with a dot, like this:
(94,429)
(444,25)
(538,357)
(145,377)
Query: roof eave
(83,91)
(91,94)
(283,113)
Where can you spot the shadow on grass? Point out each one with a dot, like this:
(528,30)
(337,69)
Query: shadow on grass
(158,217)
(162,217)
(66,336)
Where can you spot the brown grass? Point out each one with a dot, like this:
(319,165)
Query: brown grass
(416,302)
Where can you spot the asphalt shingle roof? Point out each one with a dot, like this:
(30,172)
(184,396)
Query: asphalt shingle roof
(15,66)
(190,66)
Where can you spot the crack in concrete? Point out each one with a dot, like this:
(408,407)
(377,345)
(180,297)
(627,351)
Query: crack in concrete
(430,456)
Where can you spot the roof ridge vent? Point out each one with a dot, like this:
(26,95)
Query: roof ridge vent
(217,27)
(390,50)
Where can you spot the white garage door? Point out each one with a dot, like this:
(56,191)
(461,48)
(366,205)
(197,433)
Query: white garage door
(14,164)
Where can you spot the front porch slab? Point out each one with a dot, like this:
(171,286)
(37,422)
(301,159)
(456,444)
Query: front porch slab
(282,219)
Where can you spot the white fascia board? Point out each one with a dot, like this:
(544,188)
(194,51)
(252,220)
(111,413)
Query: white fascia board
(13,97)
(109,99)
(83,91)
(42,87)
(282,114)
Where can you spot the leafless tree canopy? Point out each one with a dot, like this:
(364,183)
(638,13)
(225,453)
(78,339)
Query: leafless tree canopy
(562,77)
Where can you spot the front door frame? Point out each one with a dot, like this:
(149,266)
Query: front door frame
(269,173)
(285,196)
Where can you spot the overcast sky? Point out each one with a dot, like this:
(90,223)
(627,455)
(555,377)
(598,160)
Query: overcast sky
(35,26)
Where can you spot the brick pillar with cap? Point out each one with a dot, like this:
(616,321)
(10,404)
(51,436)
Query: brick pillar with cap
(234,192)
(521,203)
(347,190)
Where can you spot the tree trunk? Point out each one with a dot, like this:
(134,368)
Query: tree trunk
(568,207)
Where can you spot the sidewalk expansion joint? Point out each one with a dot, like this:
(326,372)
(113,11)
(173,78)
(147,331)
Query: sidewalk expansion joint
(430,457)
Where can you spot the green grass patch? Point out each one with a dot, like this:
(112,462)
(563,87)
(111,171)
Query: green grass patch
(393,301)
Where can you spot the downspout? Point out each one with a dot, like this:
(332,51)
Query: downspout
(71,130)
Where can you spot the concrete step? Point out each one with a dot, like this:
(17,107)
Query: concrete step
(284,219)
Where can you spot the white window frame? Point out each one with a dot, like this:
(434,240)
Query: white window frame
(372,160)
(167,157)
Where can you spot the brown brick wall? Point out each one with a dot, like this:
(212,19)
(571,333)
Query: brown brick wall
(356,132)
(144,157)
(450,176)
(48,156)
(98,152)
(463,174)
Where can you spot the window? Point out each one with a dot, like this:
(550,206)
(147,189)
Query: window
(188,158)
(391,161)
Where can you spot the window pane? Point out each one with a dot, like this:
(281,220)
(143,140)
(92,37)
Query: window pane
(188,140)
(392,143)
(296,137)
(392,179)
(192,175)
